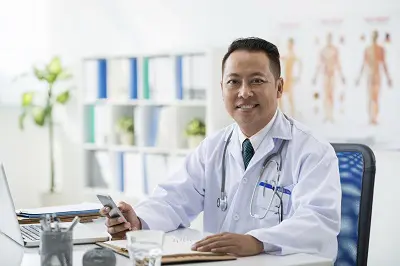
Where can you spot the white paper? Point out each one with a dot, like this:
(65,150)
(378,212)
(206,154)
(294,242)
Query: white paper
(172,245)
(63,208)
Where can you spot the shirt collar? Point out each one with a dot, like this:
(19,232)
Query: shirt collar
(257,138)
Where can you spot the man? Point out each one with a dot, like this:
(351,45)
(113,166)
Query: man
(305,214)
(290,60)
(329,61)
(374,58)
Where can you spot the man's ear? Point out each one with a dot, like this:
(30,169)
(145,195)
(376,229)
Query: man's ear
(279,84)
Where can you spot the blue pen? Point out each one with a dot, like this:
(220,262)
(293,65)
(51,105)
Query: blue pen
(280,189)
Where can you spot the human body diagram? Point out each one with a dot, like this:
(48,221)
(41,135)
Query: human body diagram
(329,64)
(290,61)
(374,59)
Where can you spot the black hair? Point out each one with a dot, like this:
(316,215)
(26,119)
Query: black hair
(254,44)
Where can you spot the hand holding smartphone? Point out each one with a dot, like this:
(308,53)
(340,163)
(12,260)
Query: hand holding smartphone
(107,201)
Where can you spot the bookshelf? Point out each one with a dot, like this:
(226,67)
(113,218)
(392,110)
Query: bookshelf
(159,94)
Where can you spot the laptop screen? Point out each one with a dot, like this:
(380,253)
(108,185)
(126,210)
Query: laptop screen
(8,222)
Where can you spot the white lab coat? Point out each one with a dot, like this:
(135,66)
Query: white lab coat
(310,170)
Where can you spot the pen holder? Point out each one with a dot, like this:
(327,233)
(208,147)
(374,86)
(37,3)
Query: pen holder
(56,248)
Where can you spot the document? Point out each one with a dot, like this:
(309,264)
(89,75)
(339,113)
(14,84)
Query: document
(176,249)
(172,245)
(77,209)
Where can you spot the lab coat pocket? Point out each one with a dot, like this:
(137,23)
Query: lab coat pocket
(264,196)
(287,199)
(281,199)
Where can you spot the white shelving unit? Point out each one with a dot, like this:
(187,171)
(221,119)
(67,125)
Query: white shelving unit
(160,93)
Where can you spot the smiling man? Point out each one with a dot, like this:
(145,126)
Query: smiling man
(265,183)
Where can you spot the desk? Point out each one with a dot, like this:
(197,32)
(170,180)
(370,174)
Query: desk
(13,254)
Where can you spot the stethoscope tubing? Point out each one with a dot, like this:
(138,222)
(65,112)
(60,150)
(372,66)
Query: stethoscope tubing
(222,201)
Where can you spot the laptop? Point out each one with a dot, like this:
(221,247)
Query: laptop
(28,235)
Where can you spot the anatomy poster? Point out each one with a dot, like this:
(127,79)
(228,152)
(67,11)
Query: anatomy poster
(291,45)
(348,88)
(326,70)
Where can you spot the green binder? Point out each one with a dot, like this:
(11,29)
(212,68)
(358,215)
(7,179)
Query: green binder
(146,83)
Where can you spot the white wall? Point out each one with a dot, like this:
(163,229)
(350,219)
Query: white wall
(76,28)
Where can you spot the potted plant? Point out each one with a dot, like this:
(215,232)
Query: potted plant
(195,132)
(125,130)
(40,107)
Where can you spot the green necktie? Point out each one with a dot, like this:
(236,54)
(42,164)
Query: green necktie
(247,152)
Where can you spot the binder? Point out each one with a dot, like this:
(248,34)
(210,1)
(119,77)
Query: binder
(121,173)
(179,78)
(146,82)
(91,124)
(102,79)
(133,79)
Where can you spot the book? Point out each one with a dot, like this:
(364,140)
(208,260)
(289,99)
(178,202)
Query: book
(175,250)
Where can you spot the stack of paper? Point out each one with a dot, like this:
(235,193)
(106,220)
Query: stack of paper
(82,209)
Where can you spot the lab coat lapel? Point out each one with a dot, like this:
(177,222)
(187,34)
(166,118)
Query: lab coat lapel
(266,146)
(281,129)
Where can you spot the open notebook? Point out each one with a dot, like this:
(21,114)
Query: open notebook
(175,250)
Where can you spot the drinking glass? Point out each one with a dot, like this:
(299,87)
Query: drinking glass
(145,247)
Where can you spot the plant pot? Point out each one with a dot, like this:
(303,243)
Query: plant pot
(194,141)
(126,138)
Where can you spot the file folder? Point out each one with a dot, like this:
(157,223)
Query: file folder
(83,209)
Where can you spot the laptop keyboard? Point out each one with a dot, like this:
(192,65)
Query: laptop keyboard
(31,232)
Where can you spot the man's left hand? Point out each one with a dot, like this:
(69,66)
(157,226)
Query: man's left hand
(236,244)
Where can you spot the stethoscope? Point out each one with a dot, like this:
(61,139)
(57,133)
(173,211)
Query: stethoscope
(222,202)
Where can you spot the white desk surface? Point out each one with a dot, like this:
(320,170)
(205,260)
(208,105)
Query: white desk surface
(13,254)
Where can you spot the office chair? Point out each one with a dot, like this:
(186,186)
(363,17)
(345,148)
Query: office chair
(357,175)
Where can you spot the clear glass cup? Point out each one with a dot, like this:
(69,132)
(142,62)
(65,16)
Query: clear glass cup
(56,248)
(145,247)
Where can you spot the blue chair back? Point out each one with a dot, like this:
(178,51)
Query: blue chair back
(357,175)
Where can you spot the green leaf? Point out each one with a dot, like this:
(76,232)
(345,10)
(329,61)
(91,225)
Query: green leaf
(21,119)
(54,67)
(64,76)
(50,78)
(195,127)
(39,115)
(63,97)
(40,74)
(27,99)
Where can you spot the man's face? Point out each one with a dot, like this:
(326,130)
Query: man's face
(249,88)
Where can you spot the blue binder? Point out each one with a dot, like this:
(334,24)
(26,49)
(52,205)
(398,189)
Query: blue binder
(121,172)
(133,79)
(102,79)
(179,78)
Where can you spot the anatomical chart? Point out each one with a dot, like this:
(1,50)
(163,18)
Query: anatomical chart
(290,43)
(341,77)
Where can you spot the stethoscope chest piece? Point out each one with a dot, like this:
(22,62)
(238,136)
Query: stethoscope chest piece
(222,202)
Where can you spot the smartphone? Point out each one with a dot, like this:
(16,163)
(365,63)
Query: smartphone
(107,201)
